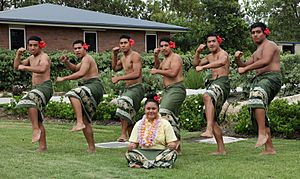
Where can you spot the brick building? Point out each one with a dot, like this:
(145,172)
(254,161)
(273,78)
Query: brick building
(59,26)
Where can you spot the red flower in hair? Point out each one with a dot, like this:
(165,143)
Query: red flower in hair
(172,44)
(131,42)
(267,31)
(85,46)
(157,98)
(219,39)
(42,44)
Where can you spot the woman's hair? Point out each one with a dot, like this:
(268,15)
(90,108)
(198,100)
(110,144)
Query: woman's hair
(152,97)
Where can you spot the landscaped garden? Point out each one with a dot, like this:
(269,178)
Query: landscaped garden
(67,157)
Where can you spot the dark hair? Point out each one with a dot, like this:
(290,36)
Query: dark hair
(212,34)
(35,38)
(125,37)
(78,42)
(151,98)
(164,39)
(258,24)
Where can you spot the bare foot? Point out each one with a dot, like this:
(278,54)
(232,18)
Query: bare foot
(36,135)
(268,152)
(207,134)
(122,139)
(91,151)
(218,153)
(262,139)
(135,166)
(78,127)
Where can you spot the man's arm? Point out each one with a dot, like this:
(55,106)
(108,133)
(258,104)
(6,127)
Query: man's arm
(85,65)
(42,66)
(17,60)
(197,61)
(222,61)
(116,63)
(156,59)
(175,67)
(239,62)
(68,64)
(266,59)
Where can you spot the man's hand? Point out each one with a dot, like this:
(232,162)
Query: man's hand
(132,146)
(20,51)
(64,58)
(21,67)
(156,51)
(238,54)
(60,79)
(115,79)
(116,50)
(153,71)
(200,48)
(199,68)
(241,70)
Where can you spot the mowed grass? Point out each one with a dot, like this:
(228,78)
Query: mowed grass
(67,157)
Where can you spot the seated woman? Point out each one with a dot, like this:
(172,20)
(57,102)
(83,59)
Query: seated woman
(154,137)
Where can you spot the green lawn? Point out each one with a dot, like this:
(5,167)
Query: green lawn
(67,157)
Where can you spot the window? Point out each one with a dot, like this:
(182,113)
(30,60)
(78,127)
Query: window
(288,48)
(91,39)
(16,38)
(151,42)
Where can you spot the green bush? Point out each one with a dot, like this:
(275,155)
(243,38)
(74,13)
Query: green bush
(192,113)
(284,119)
(194,79)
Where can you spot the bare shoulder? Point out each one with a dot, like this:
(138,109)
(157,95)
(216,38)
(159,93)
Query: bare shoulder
(135,56)
(88,58)
(271,45)
(177,57)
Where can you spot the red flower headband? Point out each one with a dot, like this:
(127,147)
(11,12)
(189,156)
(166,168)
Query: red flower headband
(172,44)
(131,42)
(85,46)
(42,44)
(157,98)
(219,39)
(267,31)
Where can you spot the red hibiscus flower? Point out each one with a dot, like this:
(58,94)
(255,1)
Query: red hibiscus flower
(85,46)
(172,44)
(267,31)
(157,98)
(131,42)
(219,39)
(42,44)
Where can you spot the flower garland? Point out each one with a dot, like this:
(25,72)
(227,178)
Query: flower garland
(147,133)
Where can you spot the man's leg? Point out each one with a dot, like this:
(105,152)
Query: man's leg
(219,138)
(78,112)
(42,142)
(269,149)
(209,113)
(89,136)
(36,131)
(124,125)
(262,133)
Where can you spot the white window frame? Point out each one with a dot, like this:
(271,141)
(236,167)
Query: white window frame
(156,40)
(91,32)
(9,35)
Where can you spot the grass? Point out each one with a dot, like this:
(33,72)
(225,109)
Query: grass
(67,157)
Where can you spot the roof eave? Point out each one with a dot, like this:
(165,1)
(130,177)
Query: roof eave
(90,25)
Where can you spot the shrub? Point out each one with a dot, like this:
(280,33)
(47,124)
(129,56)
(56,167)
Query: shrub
(194,79)
(191,116)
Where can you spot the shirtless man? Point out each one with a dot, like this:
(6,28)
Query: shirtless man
(267,83)
(218,88)
(174,93)
(130,101)
(86,98)
(36,99)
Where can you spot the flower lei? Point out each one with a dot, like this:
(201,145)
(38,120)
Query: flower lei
(131,42)
(147,134)
(42,44)
(267,31)
(219,39)
(85,46)
(172,44)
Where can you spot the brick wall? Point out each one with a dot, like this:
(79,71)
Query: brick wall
(61,38)
(4,36)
